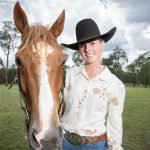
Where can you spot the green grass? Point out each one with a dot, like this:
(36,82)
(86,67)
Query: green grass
(12,130)
(136,118)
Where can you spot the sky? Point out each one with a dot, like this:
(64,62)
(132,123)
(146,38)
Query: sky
(131,18)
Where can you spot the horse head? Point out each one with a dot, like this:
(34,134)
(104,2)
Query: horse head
(39,60)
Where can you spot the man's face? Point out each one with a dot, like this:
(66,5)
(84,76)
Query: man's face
(91,51)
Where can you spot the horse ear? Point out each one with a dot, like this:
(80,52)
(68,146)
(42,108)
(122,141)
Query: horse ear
(57,27)
(20,18)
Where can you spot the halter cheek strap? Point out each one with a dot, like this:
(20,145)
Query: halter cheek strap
(23,104)
(62,102)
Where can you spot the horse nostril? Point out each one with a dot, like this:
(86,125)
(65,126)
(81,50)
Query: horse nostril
(34,143)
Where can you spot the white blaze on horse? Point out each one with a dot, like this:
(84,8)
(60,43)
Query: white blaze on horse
(39,60)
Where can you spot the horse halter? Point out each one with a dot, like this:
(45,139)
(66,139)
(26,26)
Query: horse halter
(23,100)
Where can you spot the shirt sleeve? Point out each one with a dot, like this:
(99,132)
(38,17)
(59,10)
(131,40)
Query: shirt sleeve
(114,117)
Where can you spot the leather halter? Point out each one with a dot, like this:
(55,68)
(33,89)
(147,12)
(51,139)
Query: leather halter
(23,100)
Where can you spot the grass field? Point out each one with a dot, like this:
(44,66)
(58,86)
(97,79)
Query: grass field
(136,119)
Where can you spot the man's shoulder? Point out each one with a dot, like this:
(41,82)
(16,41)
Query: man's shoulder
(116,81)
(73,70)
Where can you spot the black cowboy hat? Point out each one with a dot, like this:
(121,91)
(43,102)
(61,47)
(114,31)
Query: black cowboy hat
(86,30)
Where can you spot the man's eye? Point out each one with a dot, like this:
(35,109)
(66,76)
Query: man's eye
(92,43)
(81,45)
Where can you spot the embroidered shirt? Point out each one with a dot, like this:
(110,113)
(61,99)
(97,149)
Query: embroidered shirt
(95,106)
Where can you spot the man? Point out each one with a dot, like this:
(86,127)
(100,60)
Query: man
(94,97)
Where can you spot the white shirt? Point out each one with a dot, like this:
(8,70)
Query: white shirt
(95,106)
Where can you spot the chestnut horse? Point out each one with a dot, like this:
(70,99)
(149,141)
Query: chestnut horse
(39,61)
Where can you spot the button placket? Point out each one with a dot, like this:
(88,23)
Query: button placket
(81,103)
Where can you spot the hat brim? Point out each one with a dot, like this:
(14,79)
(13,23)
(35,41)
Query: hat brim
(106,37)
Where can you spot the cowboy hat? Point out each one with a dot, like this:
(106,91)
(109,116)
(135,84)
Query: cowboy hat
(86,30)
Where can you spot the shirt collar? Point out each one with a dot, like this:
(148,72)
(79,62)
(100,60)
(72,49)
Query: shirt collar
(105,75)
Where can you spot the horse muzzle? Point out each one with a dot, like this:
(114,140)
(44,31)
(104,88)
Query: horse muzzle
(51,139)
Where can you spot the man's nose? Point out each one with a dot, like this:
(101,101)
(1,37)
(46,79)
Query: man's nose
(87,47)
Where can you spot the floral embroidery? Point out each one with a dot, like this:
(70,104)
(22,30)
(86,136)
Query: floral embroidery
(90,132)
(114,101)
(85,91)
(99,91)
(96,91)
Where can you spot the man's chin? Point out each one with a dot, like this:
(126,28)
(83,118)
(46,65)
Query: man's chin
(91,61)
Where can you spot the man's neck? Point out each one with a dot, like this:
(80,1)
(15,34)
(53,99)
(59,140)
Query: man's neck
(93,69)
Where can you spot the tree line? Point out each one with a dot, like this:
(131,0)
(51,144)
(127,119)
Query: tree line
(8,43)
(135,73)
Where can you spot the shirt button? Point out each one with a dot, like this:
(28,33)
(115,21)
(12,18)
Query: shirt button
(77,130)
(85,91)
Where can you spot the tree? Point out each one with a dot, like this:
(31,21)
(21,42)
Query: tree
(77,59)
(2,75)
(108,62)
(115,62)
(143,67)
(145,74)
(119,58)
(132,74)
(142,59)
(8,41)
(1,63)
(139,70)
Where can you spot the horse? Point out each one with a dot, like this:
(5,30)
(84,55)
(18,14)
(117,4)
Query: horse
(39,60)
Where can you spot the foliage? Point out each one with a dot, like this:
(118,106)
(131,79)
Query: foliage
(144,74)
(2,76)
(11,75)
(118,57)
(8,42)
(116,61)
(140,69)
(77,59)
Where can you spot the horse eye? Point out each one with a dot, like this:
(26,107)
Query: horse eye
(18,62)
